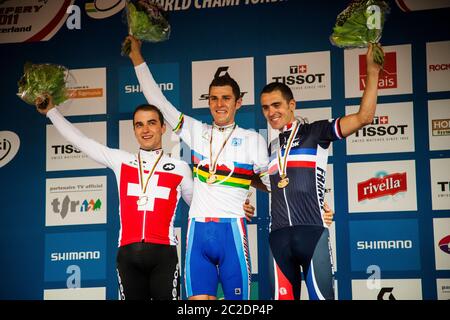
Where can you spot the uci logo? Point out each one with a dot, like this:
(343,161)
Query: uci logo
(169,166)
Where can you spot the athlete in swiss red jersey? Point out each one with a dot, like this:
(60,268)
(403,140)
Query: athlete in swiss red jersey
(150,184)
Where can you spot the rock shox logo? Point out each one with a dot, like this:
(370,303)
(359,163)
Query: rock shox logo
(385,185)
(388,76)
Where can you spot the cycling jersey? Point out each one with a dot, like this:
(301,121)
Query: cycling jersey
(154,221)
(301,201)
(244,155)
(299,235)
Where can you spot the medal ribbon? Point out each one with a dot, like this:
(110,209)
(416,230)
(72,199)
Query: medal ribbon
(141,173)
(282,168)
(213,164)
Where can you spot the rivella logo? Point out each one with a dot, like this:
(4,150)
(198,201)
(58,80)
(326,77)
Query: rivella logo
(444,244)
(9,146)
(382,185)
(388,76)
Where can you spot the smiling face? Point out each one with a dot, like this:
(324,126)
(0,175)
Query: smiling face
(148,129)
(277,110)
(223,104)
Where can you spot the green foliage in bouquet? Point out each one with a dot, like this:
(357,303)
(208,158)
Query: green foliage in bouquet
(147,22)
(39,80)
(351,29)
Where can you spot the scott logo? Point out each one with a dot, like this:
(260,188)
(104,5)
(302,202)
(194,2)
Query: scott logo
(220,72)
(386,291)
(381,187)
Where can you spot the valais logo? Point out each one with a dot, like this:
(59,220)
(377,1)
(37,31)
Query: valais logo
(9,146)
(388,76)
(444,244)
(384,185)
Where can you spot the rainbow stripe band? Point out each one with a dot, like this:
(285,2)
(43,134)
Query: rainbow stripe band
(180,123)
(234,180)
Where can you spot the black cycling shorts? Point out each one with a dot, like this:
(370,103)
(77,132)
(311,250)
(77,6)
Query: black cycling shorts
(148,271)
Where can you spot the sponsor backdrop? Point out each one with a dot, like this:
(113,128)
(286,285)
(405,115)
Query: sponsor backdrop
(388,183)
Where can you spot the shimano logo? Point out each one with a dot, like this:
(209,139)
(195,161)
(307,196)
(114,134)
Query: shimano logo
(384,244)
(70,256)
(137,88)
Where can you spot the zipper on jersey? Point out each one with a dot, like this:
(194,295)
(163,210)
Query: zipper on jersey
(287,206)
(143,226)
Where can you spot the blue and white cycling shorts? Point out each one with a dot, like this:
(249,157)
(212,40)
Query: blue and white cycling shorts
(217,250)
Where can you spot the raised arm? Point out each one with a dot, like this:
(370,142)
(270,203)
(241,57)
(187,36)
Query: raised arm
(149,87)
(353,122)
(93,149)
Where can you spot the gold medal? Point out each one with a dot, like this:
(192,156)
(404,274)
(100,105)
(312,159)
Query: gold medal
(143,199)
(282,159)
(211,178)
(283,183)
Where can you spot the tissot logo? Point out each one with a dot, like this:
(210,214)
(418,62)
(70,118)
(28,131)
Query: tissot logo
(388,76)
(299,75)
(386,294)
(221,71)
(444,186)
(380,127)
(440,127)
(64,149)
(384,186)
(303,68)
(444,244)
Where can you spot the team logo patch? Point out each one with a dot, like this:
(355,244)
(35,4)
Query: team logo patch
(236,142)
(169,166)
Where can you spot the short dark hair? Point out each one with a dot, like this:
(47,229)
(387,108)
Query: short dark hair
(149,107)
(286,92)
(226,80)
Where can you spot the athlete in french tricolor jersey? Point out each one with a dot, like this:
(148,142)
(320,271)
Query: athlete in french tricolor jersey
(298,160)
(225,158)
(150,185)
